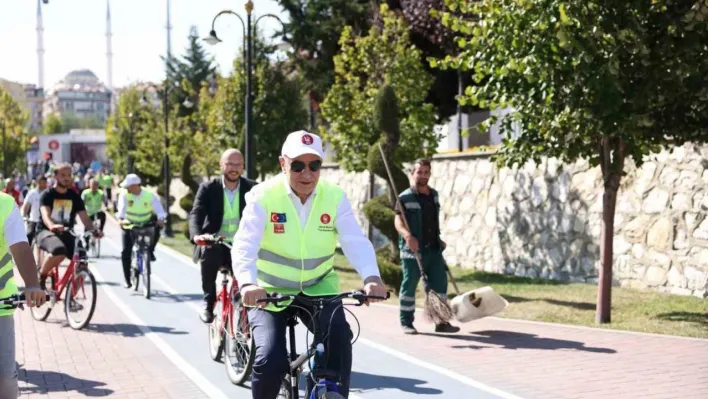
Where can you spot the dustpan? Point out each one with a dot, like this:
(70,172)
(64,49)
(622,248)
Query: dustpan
(491,303)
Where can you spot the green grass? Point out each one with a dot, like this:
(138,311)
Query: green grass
(573,303)
(548,300)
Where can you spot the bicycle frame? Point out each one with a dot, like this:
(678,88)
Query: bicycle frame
(60,284)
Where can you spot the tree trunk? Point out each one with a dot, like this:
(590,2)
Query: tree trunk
(612,164)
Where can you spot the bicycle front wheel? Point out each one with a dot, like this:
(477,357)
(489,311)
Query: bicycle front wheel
(146,274)
(41,313)
(216,331)
(239,348)
(80,299)
(285,389)
(135,272)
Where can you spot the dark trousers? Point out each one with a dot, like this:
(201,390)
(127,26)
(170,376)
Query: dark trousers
(101,216)
(211,260)
(128,249)
(435,269)
(31,231)
(271,362)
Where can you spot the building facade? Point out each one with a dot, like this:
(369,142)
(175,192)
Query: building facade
(31,99)
(79,94)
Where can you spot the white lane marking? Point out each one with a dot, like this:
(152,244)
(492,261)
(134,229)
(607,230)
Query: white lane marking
(457,377)
(199,380)
(440,370)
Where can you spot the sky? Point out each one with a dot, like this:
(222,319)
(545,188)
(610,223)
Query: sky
(74,36)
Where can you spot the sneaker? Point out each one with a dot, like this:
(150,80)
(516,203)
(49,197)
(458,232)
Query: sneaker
(409,329)
(152,257)
(206,315)
(446,328)
(127,285)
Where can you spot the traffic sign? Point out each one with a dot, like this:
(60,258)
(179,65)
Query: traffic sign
(53,145)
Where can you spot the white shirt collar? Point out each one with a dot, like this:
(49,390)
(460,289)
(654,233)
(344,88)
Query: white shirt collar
(223,184)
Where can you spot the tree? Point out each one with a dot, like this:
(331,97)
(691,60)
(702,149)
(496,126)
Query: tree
(278,108)
(53,125)
(598,79)
(134,130)
(383,57)
(13,122)
(313,30)
(185,78)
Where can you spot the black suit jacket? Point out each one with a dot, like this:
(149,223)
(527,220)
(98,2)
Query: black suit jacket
(208,210)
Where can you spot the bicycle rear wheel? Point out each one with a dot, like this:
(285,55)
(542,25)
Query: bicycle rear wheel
(146,274)
(239,349)
(285,389)
(80,299)
(41,313)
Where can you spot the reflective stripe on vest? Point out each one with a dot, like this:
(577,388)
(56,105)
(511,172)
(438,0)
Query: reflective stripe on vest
(139,208)
(8,287)
(293,259)
(230,220)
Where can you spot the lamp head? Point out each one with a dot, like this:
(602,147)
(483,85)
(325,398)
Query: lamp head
(212,39)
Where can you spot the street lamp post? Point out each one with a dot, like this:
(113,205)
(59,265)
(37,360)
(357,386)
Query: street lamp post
(131,141)
(4,149)
(249,33)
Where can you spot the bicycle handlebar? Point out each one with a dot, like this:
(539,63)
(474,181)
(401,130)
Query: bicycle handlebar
(18,299)
(211,241)
(276,298)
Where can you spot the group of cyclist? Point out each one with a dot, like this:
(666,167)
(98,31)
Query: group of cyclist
(283,233)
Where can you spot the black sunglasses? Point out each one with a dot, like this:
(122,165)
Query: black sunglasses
(299,166)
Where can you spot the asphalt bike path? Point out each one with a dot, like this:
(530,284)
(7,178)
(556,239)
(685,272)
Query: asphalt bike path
(170,320)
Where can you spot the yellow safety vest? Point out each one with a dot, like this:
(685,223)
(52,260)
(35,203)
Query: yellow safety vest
(291,259)
(8,286)
(231,218)
(138,208)
(92,201)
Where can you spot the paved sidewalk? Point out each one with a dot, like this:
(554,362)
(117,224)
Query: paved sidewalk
(537,360)
(112,357)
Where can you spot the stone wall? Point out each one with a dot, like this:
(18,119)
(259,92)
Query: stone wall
(544,220)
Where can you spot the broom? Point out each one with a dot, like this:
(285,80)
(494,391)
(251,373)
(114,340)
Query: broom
(435,308)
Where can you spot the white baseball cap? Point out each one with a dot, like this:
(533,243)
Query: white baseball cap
(302,142)
(130,180)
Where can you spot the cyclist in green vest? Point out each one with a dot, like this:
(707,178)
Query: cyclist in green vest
(286,243)
(105,182)
(137,205)
(93,199)
(13,245)
(217,211)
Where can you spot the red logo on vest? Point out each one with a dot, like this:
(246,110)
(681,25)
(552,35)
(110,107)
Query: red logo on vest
(279,228)
(325,218)
(307,139)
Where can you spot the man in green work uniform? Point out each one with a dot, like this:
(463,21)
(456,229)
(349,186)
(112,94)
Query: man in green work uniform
(422,208)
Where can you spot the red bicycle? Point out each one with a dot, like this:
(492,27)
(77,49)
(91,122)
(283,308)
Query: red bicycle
(77,284)
(229,332)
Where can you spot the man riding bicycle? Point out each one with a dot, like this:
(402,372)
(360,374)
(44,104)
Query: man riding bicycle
(136,206)
(93,199)
(13,245)
(217,210)
(286,243)
(30,208)
(59,206)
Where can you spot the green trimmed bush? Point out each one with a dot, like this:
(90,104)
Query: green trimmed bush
(391,273)
(187,202)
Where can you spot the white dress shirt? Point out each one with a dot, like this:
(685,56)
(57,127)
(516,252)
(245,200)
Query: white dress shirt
(247,240)
(156,205)
(33,199)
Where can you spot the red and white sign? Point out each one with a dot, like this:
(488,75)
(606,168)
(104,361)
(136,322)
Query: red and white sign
(307,139)
(53,145)
(325,218)
(279,228)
